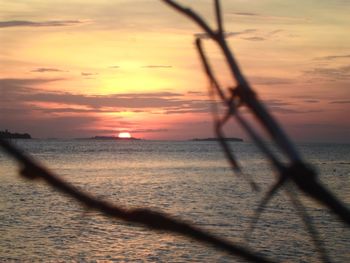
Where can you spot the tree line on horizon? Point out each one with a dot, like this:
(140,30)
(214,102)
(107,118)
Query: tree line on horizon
(9,135)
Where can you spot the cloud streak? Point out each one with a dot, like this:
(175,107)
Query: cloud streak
(250,34)
(227,34)
(270,80)
(340,102)
(25,23)
(268,17)
(339,73)
(157,66)
(10,85)
(87,74)
(254,38)
(42,70)
(149,130)
(334,57)
(312,101)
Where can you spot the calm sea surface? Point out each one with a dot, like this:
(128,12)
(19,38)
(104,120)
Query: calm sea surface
(189,180)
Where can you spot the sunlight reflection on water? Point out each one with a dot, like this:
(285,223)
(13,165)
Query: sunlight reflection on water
(190,180)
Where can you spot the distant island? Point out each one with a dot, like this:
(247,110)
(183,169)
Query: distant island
(114,138)
(217,139)
(9,135)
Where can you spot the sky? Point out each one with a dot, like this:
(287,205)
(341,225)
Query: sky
(99,67)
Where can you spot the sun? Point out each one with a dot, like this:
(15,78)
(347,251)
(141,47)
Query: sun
(124,135)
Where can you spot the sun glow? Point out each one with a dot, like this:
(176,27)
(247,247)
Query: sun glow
(124,135)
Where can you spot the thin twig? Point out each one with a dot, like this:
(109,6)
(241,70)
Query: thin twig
(218,124)
(196,18)
(208,70)
(218,17)
(261,207)
(309,226)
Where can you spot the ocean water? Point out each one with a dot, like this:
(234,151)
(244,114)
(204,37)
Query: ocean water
(191,181)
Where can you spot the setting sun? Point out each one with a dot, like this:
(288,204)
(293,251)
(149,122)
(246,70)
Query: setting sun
(124,135)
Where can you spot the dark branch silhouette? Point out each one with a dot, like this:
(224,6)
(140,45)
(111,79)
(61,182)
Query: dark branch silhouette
(296,170)
(309,226)
(303,176)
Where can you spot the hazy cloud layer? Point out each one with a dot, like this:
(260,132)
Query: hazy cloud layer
(50,126)
(10,86)
(283,107)
(68,114)
(19,94)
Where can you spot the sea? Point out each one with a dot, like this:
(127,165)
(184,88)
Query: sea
(188,180)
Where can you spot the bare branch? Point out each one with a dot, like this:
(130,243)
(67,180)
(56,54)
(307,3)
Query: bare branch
(304,177)
(259,142)
(295,170)
(267,197)
(309,226)
(306,180)
(220,123)
(194,16)
(208,70)
(219,17)
(248,96)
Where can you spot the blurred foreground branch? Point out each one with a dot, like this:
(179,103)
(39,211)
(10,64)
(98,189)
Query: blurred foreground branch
(295,170)
(298,171)
(148,218)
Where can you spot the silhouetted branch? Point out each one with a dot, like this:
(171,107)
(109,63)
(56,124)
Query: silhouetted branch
(309,226)
(218,17)
(267,197)
(209,72)
(302,175)
(295,169)
(306,179)
(196,18)
(148,218)
(230,103)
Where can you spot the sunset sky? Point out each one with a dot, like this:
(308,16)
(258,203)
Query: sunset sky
(99,67)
